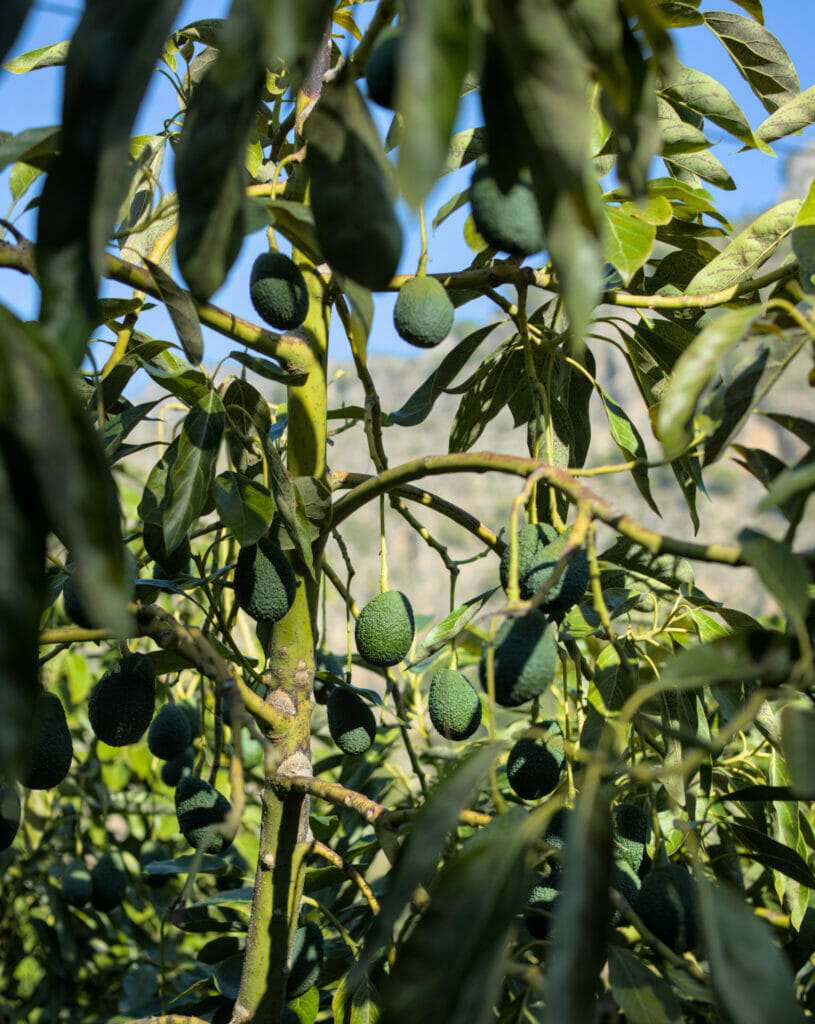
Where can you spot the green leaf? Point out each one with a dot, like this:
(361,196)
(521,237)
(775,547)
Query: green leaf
(109,65)
(245,507)
(182,312)
(193,468)
(781,572)
(642,995)
(289,504)
(51,56)
(486,393)
(434,59)
(758,55)
(630,443)
(454,623)
(305,1007)
(266,368)
(773,855)
(172,374)
(798,742)
(797,480)
(361,1008)
(693,370)
(748,251)
(628,241)
(33,146)
(803,241)
(680,13)
(753,8)
(702,165)
(657,210)
(465,147)
(790,117)
(21,178)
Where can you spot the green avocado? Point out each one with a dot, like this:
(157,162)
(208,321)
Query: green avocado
(197,806)
(631,828)
(77,884)
(9,814)
(382,68)
(169,734)
(509,221)
(525,659)
(626,881)
(666,903)
(108,881)
(51,748)
(278,291)
(539,548)
(385,629)
(542,903)
(423,314)
(122,703)
(306,959)
(72,599)
(173,771)
(558,828)
(350,721)
(534,765)
(326,661)
(264,581)
(453,704)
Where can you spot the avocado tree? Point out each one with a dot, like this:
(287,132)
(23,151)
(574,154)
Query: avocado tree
(582,793)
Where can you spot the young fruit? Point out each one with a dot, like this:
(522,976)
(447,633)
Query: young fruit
(539,548)
(454,707)
(264,581)
(524,660)
(423,314)
(382,68)
(122,703)
(197,806)
(278,291)
(77,884)
(667,905)
(509,221)
(350,721)
(169,734)
(384,630)
(9,814)
(52,748)
(535,764)
(108,881)
(306,959)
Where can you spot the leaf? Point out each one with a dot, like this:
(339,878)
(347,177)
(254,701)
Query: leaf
(692,372)
(781,572)
(109,65)
(773,855)
(266,368)
(454,623)
(289,504)
(798,742)
(679,13)
(803,241)
(630,443)
(797,480)
(487,393)
(193,469)
(751,977)
(628,241)
(748,251)
(702,165)
(361,1008)
(751,794)
(434,59)
(182,312)
(171,373)
(303,1007)
(790,117)
(465,147)
(245,507)
(758,55)
(34,146)
(642,995)
(51,56)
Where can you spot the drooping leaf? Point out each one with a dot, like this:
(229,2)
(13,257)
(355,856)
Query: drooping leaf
(702,93)
(703,165)
(289,504)
(34,146)
(630,443)
(796,481)
(182,312)
(453,624)
(266,368)
(465,146)
(643,995)
(782,572)
(803,241)
(790,117)
(50,56)
(798,742)
(628,241)
(245,507)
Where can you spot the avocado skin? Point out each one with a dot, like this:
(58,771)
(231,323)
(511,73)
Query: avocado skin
(52,748)
(109,881)
(423,314)
(543,900)
(173,771)
(77,884)
(382,68)
(122,702)
(666,903)
(385,629)
(508,221)
(169,734)
(10,809)
(453,705)
(306,959)
(539,548)
(534,765)
(350,721)
(278,291)
(197,806)
(631,828)
(264,581)
(525,659)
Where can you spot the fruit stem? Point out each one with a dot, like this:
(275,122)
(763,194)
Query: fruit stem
(421,270)
(383,550)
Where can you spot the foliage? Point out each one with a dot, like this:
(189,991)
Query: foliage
(403,849)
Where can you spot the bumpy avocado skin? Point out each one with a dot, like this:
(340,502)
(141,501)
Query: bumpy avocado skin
(525,659)
(350,721)
(306,959)
(508,221)
(543,900)
(77,884)
(631,828)
(423,314)
(667,905)
(278,291)
(109,881)
(534,765)
(453,705)
(122,702)
(539,548)
(9,814)
(264,581)
(169,734)
(197,806)
(385,629)
(52,748)
(382,68)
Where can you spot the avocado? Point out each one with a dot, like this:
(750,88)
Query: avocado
(508,221)
(350,721)
(278,291)
(169,733)
(326,661)
(542,903)
(535,764)
(558,829)
(423,314)
(382,68)
(121,704)
(152,850)
(77,884)
(72,599)
(197,806)
(193,713)
(51,751)
(173,771)
(626,881)
(453,704)
(108,881)
(539,548)
(525,659)
(631,828)
(666,903)
(9,814)
(264,581)
(306,959)
(385,629)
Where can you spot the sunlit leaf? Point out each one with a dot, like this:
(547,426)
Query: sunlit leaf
(628,241)
(182,312)
(245,507)
(790,117)
(644,997)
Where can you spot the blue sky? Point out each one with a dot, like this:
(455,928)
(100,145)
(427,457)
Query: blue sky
(34,99)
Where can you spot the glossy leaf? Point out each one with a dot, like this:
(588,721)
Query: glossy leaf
(790,117)
(798,742)
(641,994)
(182,312)
(361,1006)
(453,624)
(245,507)
(628,241)
(703,165)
